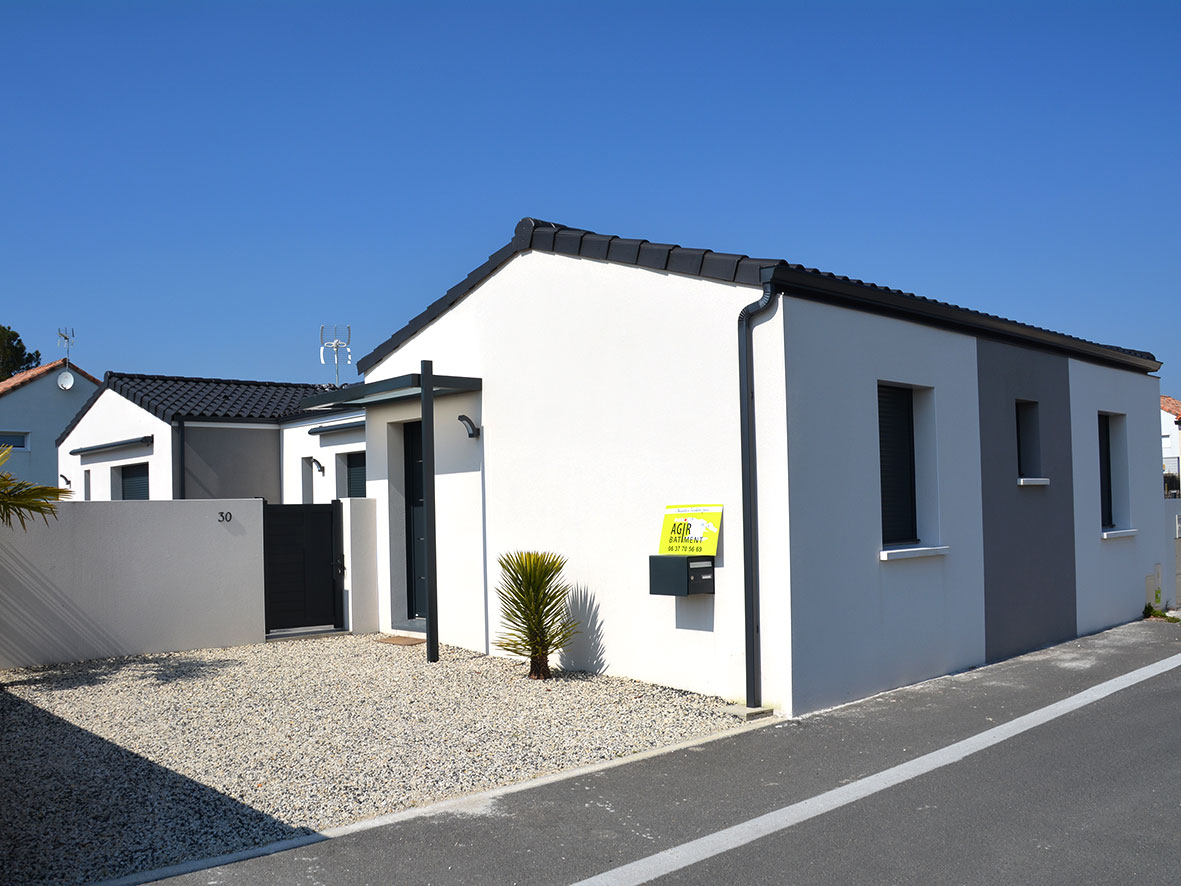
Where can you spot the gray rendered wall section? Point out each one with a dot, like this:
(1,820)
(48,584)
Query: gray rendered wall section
(232,463)
(1029,563)
(127,577)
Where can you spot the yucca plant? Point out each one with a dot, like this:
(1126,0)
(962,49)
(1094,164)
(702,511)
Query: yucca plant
(21,500)
(533,600)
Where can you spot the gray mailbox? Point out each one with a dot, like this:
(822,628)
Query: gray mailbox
(676,575)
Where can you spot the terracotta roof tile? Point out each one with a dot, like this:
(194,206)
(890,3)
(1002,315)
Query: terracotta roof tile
(23,378)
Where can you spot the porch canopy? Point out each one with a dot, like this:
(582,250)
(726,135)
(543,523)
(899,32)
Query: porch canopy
(426,386)
(404,387)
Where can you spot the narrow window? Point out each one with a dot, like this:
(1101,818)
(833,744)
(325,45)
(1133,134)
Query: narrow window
(86,485)
(896,449)
(15,439)
(133,480)
(355,468)
(1107,517)
(307,492)
(1029,454)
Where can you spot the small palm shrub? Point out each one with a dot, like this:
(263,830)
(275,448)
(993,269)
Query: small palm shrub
(533,601)
(21,500)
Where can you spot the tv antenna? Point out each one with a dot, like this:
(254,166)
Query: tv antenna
(65,339)
(339,341)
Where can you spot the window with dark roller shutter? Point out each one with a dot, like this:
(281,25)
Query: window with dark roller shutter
(1108,517)
(134,482)
(896,446)
(355,465)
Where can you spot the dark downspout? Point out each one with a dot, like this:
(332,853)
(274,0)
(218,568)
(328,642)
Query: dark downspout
(178,460)
(750,502)
(426,380)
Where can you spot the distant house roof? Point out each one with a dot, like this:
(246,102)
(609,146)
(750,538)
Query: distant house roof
(796,280)
(171,397)
(1168,404)
(23,378)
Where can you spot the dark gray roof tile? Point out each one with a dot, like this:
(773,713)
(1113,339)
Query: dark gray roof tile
(543,236)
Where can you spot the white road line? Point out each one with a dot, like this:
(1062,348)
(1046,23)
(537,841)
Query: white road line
(647,869)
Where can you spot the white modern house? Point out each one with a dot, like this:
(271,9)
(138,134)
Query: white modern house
(899,500)
(164,437)
(1170,435)
(34,407)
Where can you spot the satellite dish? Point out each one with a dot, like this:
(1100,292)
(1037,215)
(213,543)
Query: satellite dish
(65,380)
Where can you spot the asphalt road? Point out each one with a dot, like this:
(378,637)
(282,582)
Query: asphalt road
(1090,795)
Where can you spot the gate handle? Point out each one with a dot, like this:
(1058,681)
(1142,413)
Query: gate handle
(340,565)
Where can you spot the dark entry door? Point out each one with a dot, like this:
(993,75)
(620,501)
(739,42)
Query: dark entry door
(415,522)
(303,557)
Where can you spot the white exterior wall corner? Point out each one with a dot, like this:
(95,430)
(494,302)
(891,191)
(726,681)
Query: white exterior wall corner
(113,417)
(1111,573)
(359,529)
(296,444)
(774,530)
(609,393)
(861,625)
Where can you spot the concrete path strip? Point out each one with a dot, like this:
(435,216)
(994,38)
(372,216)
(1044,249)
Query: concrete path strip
(659,864)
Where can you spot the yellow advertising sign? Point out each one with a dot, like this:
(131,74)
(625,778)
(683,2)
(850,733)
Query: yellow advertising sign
(691,529)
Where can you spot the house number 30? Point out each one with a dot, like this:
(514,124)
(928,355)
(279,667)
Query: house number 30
(224,516)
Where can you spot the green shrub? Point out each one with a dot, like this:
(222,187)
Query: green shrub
(533,600)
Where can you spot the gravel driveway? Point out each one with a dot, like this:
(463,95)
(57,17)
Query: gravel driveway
(121,765)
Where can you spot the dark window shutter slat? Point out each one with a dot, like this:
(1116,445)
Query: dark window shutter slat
(356,474)
(896,442)
(1105,471)
(135,482)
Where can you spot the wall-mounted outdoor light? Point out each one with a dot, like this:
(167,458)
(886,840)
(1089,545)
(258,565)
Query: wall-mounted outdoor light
(316,464)
(472,430)
(67,479)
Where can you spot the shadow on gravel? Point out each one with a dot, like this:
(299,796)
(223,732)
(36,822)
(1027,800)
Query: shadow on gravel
(75,808)
(168,668)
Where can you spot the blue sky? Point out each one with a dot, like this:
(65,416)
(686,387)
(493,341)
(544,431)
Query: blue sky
(196,187)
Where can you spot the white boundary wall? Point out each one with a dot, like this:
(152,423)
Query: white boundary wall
(123,578)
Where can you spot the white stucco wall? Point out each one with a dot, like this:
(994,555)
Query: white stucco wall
(359,529)
(296,444)
(1111,572)
(113,418)
(42,410)
(609,392)
(860,624)
(122,578)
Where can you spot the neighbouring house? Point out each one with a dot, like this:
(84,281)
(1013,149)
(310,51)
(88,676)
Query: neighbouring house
(171,437)
(34,407)
(909,488)
(1170,415)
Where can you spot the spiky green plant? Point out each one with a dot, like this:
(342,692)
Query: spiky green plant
(533,601)
(21,500)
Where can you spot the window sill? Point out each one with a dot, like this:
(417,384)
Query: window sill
(1118,533)
(909,553)
(1033,481)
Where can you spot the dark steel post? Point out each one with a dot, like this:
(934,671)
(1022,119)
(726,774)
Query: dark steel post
(428,509)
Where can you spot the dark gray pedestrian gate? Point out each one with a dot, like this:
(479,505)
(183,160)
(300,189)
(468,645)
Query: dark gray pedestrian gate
(303,563)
